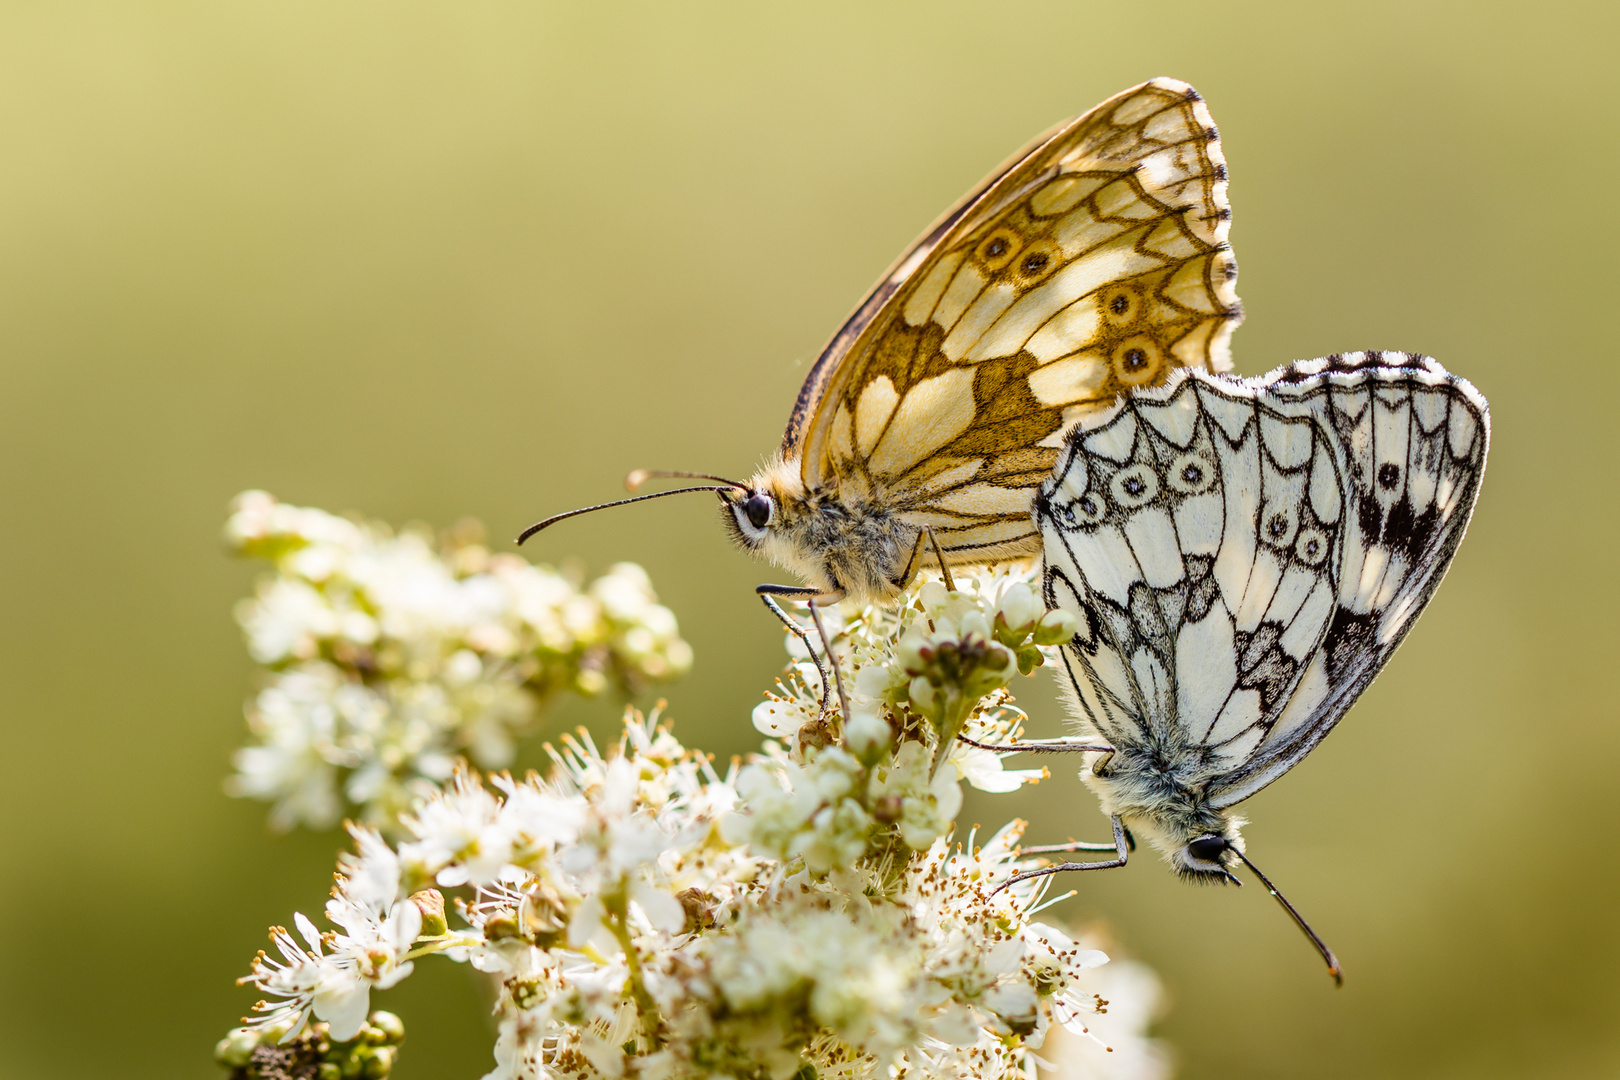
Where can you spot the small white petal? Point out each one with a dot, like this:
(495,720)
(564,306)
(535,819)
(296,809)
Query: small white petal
(662,909)
(344,1009)
(307,929)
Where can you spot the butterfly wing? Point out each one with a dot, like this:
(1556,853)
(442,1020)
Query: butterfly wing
(1095,262)
(1414,440)
(1244,556)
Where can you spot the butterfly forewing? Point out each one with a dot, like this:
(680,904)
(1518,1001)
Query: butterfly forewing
(1094,263)
(1244,555)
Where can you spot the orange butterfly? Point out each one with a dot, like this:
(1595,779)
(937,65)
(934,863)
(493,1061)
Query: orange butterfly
(1096,261)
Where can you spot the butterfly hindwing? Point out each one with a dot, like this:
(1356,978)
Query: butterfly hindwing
(1183,521)
(1095,262)
(1244,555)
(1414,440)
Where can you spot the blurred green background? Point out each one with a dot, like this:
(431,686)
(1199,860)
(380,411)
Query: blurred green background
(427,260)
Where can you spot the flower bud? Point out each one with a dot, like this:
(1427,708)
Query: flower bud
(379,1062)
(430,902)
(912,653)
(273,1033)
(1019,608)
(234,1050)
(975,624)
(389,1027)
(866,734)
(1056,627)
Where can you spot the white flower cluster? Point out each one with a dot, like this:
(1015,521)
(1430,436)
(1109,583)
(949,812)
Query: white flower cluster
(942,659)
(389,657)
(803,915)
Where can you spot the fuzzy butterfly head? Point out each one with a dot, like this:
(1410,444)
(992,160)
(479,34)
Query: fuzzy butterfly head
(842,540)
(761,514)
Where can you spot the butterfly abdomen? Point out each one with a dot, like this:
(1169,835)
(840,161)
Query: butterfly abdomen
(1158,791)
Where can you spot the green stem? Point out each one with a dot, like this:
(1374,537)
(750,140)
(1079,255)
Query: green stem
(429,946)
(957,708)
(618,906)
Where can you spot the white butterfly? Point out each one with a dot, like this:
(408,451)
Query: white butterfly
(1243,557)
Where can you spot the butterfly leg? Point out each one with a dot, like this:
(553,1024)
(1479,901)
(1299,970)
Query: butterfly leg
(926,537)
(1120,847)
(803,635)
(811,598)
(826,644)
(944,568)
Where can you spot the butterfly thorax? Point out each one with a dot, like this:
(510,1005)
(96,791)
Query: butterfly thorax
(850,539)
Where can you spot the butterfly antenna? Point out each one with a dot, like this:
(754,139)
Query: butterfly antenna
(553,519)
(638,477)
(1299,921)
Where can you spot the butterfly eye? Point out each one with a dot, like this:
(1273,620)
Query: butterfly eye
(1134,486)
(1207,848)
(1190,474)
(759,508)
